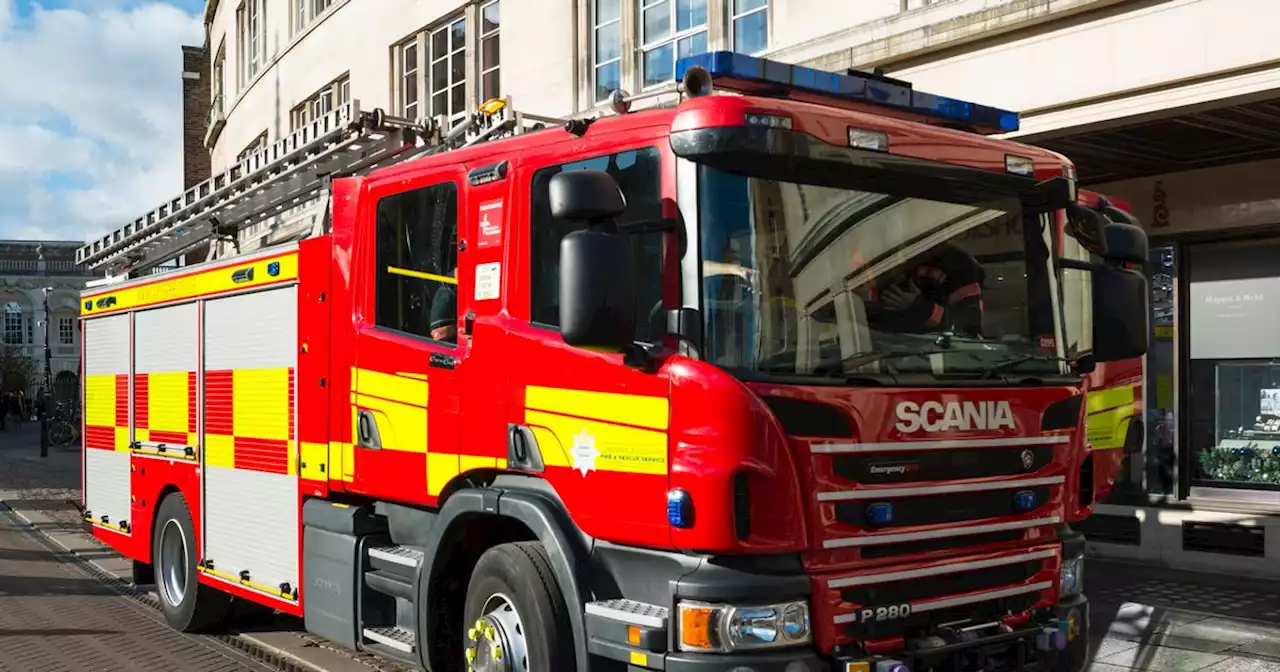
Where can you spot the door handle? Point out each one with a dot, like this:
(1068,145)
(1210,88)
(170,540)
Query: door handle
(469,322)
(440,360)
(367,430)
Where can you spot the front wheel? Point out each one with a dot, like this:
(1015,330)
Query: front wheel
(516,616)
(187,605)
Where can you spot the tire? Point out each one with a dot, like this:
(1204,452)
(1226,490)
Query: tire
(514,602)
(196,607)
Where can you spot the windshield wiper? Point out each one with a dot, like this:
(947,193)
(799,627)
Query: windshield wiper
(1011,363)
(864,358)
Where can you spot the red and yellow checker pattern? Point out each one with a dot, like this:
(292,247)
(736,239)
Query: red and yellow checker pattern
(249,419)
(106,412)
(165,408)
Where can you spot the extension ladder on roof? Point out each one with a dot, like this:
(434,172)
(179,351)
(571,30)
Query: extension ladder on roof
(292,172)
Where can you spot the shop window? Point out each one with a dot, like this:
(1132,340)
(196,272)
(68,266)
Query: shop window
(416,260)
(639,174)
(1233,316)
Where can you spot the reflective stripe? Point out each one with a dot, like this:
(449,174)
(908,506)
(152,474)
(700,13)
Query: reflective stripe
(935,318)
(968,291)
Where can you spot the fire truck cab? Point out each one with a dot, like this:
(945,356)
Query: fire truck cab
(730,384)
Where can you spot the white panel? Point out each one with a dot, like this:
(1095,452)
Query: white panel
(106,489)
(165,339)
(106,345)
(252,331)
(252,524)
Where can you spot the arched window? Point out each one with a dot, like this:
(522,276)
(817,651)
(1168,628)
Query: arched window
(13,324)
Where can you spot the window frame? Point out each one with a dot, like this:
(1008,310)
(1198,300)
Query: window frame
(66,330)
(732,18)
(674,37)
(482,38)
(259,143)
(19,329)
(559,158)
(452,51)
(330,97)
(376,273)
(593,45)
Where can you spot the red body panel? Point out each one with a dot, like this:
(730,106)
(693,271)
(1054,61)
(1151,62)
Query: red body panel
(718,434)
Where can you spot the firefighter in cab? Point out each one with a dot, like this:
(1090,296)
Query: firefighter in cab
(943,292)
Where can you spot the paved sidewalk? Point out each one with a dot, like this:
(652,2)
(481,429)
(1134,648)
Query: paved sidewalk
(1142,617)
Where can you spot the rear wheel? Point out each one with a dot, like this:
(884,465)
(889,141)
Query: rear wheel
(187,605)
(515,614)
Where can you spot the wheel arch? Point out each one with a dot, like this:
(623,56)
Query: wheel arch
(523,504)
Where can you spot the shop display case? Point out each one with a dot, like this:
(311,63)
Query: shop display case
(1247,446)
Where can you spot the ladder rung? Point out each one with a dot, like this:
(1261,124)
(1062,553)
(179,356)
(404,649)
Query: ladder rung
(285,175)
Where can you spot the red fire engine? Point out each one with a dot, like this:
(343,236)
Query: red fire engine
(735,383)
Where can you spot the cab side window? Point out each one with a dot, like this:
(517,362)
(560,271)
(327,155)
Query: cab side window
(639,175)
(417,258)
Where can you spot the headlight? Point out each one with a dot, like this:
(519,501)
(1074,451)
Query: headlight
(729,627)
(1072,580)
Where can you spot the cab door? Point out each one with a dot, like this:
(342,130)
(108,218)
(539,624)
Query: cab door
(405,383)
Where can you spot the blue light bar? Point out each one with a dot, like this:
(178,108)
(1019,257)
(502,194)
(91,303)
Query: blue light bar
(748,74)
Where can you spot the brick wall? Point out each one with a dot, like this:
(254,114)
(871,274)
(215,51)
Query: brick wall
(196,164)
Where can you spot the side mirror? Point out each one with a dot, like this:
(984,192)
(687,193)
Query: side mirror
(1125,243)
(597,291)
(585,195)
(597,288)
(1086,225)
(1120,312)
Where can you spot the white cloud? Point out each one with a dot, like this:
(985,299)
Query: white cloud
(90,114)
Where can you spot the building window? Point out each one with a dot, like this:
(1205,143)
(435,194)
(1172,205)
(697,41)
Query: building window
(606,38)
(66,330)
(639,173)
(490,58)
(409,79)
(750,26)
(434,60)
(307,11)
(250,40)
(669,30)
(259,143)
(217,86)
(14,317)
(448,72)
(417,259)
(336,94)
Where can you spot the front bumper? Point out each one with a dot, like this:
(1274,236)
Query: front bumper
(638,631)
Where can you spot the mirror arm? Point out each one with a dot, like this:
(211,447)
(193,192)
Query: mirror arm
(686,325)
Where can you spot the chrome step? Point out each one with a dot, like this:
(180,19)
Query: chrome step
(399,555)
(397,638)
(630,611)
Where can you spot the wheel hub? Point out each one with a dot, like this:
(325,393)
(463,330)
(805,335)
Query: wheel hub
(173,563)
(496,641)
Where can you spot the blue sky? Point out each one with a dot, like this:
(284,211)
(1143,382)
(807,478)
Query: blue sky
(90,112)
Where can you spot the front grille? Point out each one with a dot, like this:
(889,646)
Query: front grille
(878,468)
(923,546)
(938,509)
(946,584)
(909,602)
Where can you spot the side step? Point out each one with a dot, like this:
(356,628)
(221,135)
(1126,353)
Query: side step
(388,616)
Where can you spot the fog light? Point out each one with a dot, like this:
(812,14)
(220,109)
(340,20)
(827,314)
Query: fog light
(1024,501)
(1071,581)
(680,508)
(880,513)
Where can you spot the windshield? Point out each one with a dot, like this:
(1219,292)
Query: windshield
(815,281)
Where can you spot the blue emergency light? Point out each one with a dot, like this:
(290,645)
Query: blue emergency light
(748,74)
